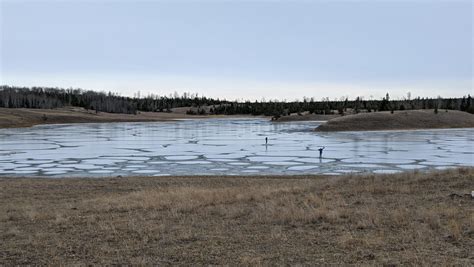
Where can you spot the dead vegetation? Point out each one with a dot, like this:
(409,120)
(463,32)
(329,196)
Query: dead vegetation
(306,117)
(400,120)
(22,117)
(408,219)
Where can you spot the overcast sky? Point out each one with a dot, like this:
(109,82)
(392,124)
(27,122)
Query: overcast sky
(241,49)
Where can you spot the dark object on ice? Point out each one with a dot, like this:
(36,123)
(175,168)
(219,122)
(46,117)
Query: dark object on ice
(321,151)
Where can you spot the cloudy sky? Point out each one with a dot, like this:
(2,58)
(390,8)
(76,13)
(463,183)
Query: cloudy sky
(241,49)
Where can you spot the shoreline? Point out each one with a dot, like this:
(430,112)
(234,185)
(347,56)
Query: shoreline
(301,176)
(305,117)
(396,130)
(377,121)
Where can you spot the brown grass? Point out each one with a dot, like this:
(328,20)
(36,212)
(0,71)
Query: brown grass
(21,117)
(306,117)
(400,120)
(408,219)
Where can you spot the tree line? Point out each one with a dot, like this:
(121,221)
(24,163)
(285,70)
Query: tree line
(343,106)
(48,98)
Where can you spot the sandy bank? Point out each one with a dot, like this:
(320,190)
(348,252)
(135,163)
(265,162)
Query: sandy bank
(400,120)
(20,117)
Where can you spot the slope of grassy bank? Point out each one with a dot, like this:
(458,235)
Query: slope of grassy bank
(306,117)
(408,219)
(400,120)
(21,117)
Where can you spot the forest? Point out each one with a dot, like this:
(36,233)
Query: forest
(50,98)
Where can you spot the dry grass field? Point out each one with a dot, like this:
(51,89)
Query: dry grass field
(402,219)
(400,120)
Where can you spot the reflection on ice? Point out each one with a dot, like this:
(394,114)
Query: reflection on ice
(180,157)
(194,162)
(411,167)
(145,171)
(224,147)
(282,163)
(258,167)
(302,168)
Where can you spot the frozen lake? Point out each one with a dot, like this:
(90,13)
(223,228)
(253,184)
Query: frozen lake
(224,147)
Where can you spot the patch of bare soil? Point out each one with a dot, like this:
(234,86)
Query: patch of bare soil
(403,219)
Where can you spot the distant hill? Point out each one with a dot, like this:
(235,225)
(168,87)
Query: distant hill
(400,120)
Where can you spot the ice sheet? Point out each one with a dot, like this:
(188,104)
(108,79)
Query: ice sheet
(224,147)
